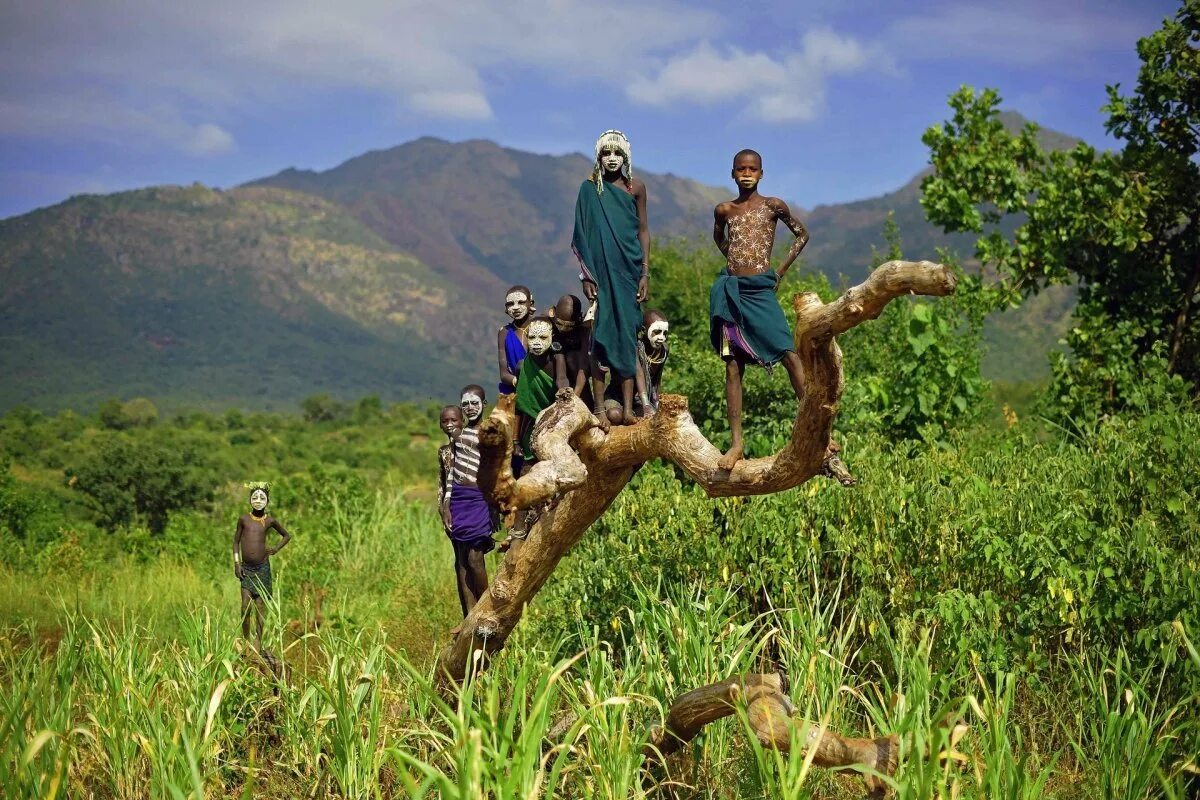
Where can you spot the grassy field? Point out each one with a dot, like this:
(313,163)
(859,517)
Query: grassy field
(127,678)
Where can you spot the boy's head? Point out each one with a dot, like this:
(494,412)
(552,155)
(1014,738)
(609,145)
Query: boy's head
(747,169)
(568,313)
(451,421)
(472,402)
(657,327)
(613,153)
(540,335)
(260,496)
(518,302)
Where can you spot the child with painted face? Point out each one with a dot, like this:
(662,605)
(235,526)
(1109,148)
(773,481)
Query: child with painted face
(572,361)
(252,560)
(451,423)
(471,518)
(538,381)
(510,341)
(652,357)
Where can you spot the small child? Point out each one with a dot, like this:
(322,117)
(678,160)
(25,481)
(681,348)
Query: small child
(538,382)
(252,560)
(451,423)
(510,340)
(471,519)
(652,358)
(573,340)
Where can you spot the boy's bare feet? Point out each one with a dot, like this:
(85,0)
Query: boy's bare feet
(601,416)
(629,418)
(732,456)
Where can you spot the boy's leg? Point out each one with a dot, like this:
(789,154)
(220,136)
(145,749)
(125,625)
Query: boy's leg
(628,417)
(477,582)
(460,575)
(734,368)
(795,371)
(261,613)
(246,614)
(598,393)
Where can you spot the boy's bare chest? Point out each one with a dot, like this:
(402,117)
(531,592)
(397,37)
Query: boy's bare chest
(751,237)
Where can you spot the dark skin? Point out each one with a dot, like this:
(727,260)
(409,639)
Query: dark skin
(616,180)
(655,369)
(451,423)
(506,376)
(744,232)
(571,363)
(250,547)
(555,365)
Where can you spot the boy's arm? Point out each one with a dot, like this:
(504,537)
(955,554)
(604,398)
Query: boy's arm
(644,238)
(561,380)
(639,381)
(287,537)
(237,550)
(506,377)
(722,241)
(784,215)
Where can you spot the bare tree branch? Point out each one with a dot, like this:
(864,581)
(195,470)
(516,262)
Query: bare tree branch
(586,468)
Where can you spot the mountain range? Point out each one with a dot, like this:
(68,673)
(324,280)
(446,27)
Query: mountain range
(381,276)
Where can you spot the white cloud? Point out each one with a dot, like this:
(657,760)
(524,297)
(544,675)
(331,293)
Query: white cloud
(787,89)
(184,65)
(209,140)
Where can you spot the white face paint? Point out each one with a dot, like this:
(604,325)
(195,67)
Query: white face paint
(472,406)
(516,305)
(540,336)
(656,334)
(258,500)
(612,162)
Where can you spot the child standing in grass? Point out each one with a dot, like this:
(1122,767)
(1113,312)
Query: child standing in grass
(252,560)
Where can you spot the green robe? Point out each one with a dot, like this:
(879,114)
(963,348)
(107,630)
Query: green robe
(749,304)
(535,391)
(606,244)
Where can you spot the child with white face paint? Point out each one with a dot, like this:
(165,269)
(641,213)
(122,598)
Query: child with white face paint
(538,382)
(510,341)
(652,357)
(470,516)
(252,560)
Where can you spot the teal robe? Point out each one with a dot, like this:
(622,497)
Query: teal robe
(749,304)
(606,244)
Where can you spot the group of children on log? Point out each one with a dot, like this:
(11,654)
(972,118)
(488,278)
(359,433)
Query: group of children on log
(612,356)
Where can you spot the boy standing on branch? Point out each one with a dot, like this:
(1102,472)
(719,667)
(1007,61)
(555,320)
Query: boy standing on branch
(612,243)
(748,326)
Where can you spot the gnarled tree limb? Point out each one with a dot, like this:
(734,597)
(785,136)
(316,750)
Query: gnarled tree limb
(587,467)
(770,714)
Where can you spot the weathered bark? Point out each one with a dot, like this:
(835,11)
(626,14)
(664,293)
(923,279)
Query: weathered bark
(769,712)
(586,468)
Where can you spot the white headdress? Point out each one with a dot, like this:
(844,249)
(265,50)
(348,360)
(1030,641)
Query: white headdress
(615,140)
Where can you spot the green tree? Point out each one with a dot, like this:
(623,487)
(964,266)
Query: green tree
(322,408)
(126,480)
(1124,225)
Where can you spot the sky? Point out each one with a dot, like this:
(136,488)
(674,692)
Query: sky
(116,94)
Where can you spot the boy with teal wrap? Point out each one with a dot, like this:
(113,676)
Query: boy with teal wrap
(747,322)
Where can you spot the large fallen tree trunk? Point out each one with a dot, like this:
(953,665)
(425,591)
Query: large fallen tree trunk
(585,468)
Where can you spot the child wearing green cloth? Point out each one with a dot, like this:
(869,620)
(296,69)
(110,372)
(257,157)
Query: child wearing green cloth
(747,323)
(537,381)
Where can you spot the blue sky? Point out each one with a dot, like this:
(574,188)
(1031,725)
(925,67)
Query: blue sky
(115,94)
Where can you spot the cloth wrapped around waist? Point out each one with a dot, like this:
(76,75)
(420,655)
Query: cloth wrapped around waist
(471,517)
(256,579)
(746,313)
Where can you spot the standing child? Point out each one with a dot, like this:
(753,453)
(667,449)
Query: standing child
(471,523)
(538,382)
(510,340)
(451,423)
(252,560)
(748,326)
(653,351)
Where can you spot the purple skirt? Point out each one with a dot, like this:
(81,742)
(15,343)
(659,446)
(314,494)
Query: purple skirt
(470,517)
